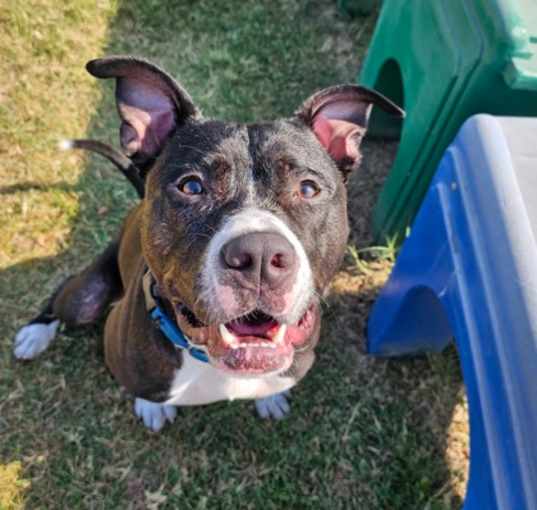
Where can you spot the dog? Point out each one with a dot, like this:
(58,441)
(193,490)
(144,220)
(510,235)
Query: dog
(212,286)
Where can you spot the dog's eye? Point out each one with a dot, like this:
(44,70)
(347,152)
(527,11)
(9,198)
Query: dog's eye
(309,189)
(190,186)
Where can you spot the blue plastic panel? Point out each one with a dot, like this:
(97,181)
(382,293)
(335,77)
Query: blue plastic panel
(469,270)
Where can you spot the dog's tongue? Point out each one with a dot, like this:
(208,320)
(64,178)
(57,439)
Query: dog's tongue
(251,327)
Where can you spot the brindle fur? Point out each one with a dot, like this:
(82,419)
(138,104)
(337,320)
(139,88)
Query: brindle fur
(243,165)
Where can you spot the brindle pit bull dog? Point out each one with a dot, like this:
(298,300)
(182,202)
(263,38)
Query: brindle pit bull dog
(214,280)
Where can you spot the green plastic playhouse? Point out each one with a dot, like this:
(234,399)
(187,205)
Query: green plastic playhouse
(357,7)
(444,60)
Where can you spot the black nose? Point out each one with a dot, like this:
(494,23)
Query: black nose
(261,257)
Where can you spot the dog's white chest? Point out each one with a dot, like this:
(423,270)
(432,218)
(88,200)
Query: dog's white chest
(198,383)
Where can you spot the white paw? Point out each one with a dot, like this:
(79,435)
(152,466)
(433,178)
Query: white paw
(153,414)
(276,406)
(33,339)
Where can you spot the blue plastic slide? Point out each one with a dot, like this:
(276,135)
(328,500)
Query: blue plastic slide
(468,270)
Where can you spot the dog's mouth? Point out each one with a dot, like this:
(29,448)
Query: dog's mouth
(255,343)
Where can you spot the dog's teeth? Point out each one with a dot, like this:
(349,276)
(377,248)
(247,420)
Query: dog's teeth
(228,337)
(279,337)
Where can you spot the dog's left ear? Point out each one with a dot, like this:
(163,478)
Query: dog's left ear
(150,102)
(339,115)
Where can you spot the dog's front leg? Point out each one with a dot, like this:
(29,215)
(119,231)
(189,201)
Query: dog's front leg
(274,406)
(154,414)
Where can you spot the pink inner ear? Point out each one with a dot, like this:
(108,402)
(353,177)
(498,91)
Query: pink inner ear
(148,116)
(337,137)
(143,131)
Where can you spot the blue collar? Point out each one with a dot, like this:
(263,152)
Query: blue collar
(172,332)
(167,326)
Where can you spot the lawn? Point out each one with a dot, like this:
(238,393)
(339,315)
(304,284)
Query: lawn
(364,433)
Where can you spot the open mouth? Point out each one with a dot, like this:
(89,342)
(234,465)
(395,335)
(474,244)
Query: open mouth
(256,329)
(256,343)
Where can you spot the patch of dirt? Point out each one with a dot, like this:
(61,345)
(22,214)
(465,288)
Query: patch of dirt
(458,448)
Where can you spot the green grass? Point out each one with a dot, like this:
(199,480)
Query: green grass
(364,433)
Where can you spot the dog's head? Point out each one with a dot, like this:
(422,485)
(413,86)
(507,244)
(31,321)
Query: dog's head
(244,225)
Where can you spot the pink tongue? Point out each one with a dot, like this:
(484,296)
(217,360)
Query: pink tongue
(241,328)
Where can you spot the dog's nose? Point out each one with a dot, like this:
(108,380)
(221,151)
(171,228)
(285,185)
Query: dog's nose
(261,257)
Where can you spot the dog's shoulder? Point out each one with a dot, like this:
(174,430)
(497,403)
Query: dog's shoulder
(137,353)
(130,246)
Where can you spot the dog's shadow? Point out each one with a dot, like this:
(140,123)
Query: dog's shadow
(362,434)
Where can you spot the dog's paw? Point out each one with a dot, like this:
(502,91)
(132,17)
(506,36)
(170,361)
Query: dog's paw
(153,414)
(276,406)
(33,339)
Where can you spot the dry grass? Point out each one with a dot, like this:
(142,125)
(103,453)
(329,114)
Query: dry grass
(364,433)
(44,95)
(12,486)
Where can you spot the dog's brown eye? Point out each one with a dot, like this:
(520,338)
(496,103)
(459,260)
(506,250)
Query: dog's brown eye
(309,189)
(191,186)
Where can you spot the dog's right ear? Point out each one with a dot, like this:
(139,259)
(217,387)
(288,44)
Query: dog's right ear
(150,102)
(339,115)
